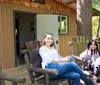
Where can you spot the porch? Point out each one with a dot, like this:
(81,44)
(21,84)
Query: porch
(21,71)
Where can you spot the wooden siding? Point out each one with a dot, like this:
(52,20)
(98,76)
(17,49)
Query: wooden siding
(64,39)
(7,53)
(6,36)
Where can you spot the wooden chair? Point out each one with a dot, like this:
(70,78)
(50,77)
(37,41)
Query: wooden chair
(39,76)
(14,79)
(77,46)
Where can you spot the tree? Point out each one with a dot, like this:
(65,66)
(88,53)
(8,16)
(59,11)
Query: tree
(84,18)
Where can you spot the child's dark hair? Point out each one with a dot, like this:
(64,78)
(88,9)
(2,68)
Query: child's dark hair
(96,50)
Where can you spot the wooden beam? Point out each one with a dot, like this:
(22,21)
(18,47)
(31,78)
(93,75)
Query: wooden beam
(68,3)
(72,2)
(72,7)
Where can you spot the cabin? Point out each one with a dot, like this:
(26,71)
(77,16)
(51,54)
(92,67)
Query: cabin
(28,20)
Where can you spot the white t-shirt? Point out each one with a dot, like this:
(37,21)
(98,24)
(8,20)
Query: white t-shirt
(97,63)
(85,53)
(47,54)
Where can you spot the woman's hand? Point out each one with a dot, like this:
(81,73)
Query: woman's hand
(66,59)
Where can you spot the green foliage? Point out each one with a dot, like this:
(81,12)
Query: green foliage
(96,5)
(94,26)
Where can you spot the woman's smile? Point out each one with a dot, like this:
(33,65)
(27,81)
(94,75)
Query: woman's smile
(48,40)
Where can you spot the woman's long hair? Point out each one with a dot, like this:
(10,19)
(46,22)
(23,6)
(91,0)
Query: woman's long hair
(43,42)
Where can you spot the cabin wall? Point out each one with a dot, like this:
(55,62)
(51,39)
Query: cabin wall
(64,39)
(7,7)
(6,36)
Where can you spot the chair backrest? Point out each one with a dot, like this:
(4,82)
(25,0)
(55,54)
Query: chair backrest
(31,47)
(34,56)
(79,44)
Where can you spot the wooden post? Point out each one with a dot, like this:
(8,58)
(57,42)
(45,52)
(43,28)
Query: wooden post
(1,80)
(47,79)
(11,78)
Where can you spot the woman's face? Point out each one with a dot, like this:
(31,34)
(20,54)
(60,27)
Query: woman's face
(48,40)
(93,46)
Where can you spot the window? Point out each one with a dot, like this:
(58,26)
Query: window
(62,24)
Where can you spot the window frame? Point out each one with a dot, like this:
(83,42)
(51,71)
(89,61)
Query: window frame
(67,24)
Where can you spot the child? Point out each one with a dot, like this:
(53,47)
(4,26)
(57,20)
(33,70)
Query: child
(91,54)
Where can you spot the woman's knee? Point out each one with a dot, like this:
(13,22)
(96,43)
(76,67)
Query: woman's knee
(76,79)
(76,76)
(74,64)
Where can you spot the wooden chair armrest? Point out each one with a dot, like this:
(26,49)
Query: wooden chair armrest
(46,72)
(41,70)
(78,58)
(24,51)
(13,78)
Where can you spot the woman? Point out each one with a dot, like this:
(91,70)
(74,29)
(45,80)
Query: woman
(66,69)
(91,54)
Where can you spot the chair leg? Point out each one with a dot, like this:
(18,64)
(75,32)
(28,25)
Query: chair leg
(36,84)
(14,83)
(47,79)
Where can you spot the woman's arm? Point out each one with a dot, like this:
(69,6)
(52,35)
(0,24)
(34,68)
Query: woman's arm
(66,59)
(46,58)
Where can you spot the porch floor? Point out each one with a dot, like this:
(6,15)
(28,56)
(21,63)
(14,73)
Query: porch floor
(20,71)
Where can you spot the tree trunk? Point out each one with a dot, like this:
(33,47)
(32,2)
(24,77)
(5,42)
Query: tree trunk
(84,18)
(98,29)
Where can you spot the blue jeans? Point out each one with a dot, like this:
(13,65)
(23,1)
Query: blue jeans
(68,70)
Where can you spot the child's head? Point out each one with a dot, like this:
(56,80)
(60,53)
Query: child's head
(93,45)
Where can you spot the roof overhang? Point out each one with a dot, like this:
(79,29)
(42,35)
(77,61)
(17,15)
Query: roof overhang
(69,3)
(73,4)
